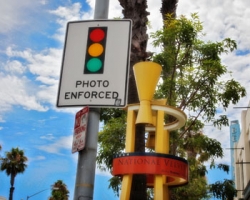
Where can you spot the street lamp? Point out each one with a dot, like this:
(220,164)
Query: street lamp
(54,188)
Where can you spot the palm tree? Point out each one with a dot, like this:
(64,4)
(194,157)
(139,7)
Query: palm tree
(137,11)
(13,164)
(59,191)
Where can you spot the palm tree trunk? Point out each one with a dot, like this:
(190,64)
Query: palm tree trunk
(12,180)
(11,192)
(136,10)
(168,7)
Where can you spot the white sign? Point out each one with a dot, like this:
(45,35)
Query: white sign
(80,129)
(80,83)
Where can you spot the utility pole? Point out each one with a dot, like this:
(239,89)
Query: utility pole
(85,175)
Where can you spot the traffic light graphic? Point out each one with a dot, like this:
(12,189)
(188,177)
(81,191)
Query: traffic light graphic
(95,50)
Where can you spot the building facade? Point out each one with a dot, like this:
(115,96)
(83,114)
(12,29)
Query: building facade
(242,158)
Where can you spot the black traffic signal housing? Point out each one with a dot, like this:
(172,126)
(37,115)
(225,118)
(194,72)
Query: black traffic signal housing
(95,50)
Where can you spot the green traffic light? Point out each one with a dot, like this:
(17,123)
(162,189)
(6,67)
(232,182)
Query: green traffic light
(94,64)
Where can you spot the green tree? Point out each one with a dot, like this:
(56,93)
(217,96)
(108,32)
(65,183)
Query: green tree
(197,148)
(13,163)
(59,191)
(192,80)
(192,77)
(111,140)
(224,190)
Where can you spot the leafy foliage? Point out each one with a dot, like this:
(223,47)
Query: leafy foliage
(193,80)
(107,114)
(197,189)
(115,183)
(111,141)
(192,77)
(59,191)
(223,189)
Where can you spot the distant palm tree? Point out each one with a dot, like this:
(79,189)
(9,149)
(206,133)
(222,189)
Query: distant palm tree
(59,191)
(13,164)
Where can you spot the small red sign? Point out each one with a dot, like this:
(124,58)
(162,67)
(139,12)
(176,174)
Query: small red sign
(80,129)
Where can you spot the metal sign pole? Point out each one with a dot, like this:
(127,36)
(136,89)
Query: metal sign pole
(85,175)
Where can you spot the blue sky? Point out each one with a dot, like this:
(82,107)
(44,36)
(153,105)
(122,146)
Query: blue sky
(31,46)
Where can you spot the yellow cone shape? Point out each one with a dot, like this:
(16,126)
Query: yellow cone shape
(147,75)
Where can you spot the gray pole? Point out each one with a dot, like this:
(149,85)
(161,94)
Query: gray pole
(101,9)
(85,175)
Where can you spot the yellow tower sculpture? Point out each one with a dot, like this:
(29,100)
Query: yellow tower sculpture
(162,170)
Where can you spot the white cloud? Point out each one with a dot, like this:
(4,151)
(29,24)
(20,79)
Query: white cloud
(37,158)
(221,19)
(18,89)
(48,94)
(115,9)
(45,63)
(1,119)
(15,91)
(16,16)
(64,15)
(10,13)
(67,13)
(48,137)
(60,144)
(15,67)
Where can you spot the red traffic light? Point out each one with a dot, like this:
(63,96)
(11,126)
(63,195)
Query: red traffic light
(97,35)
